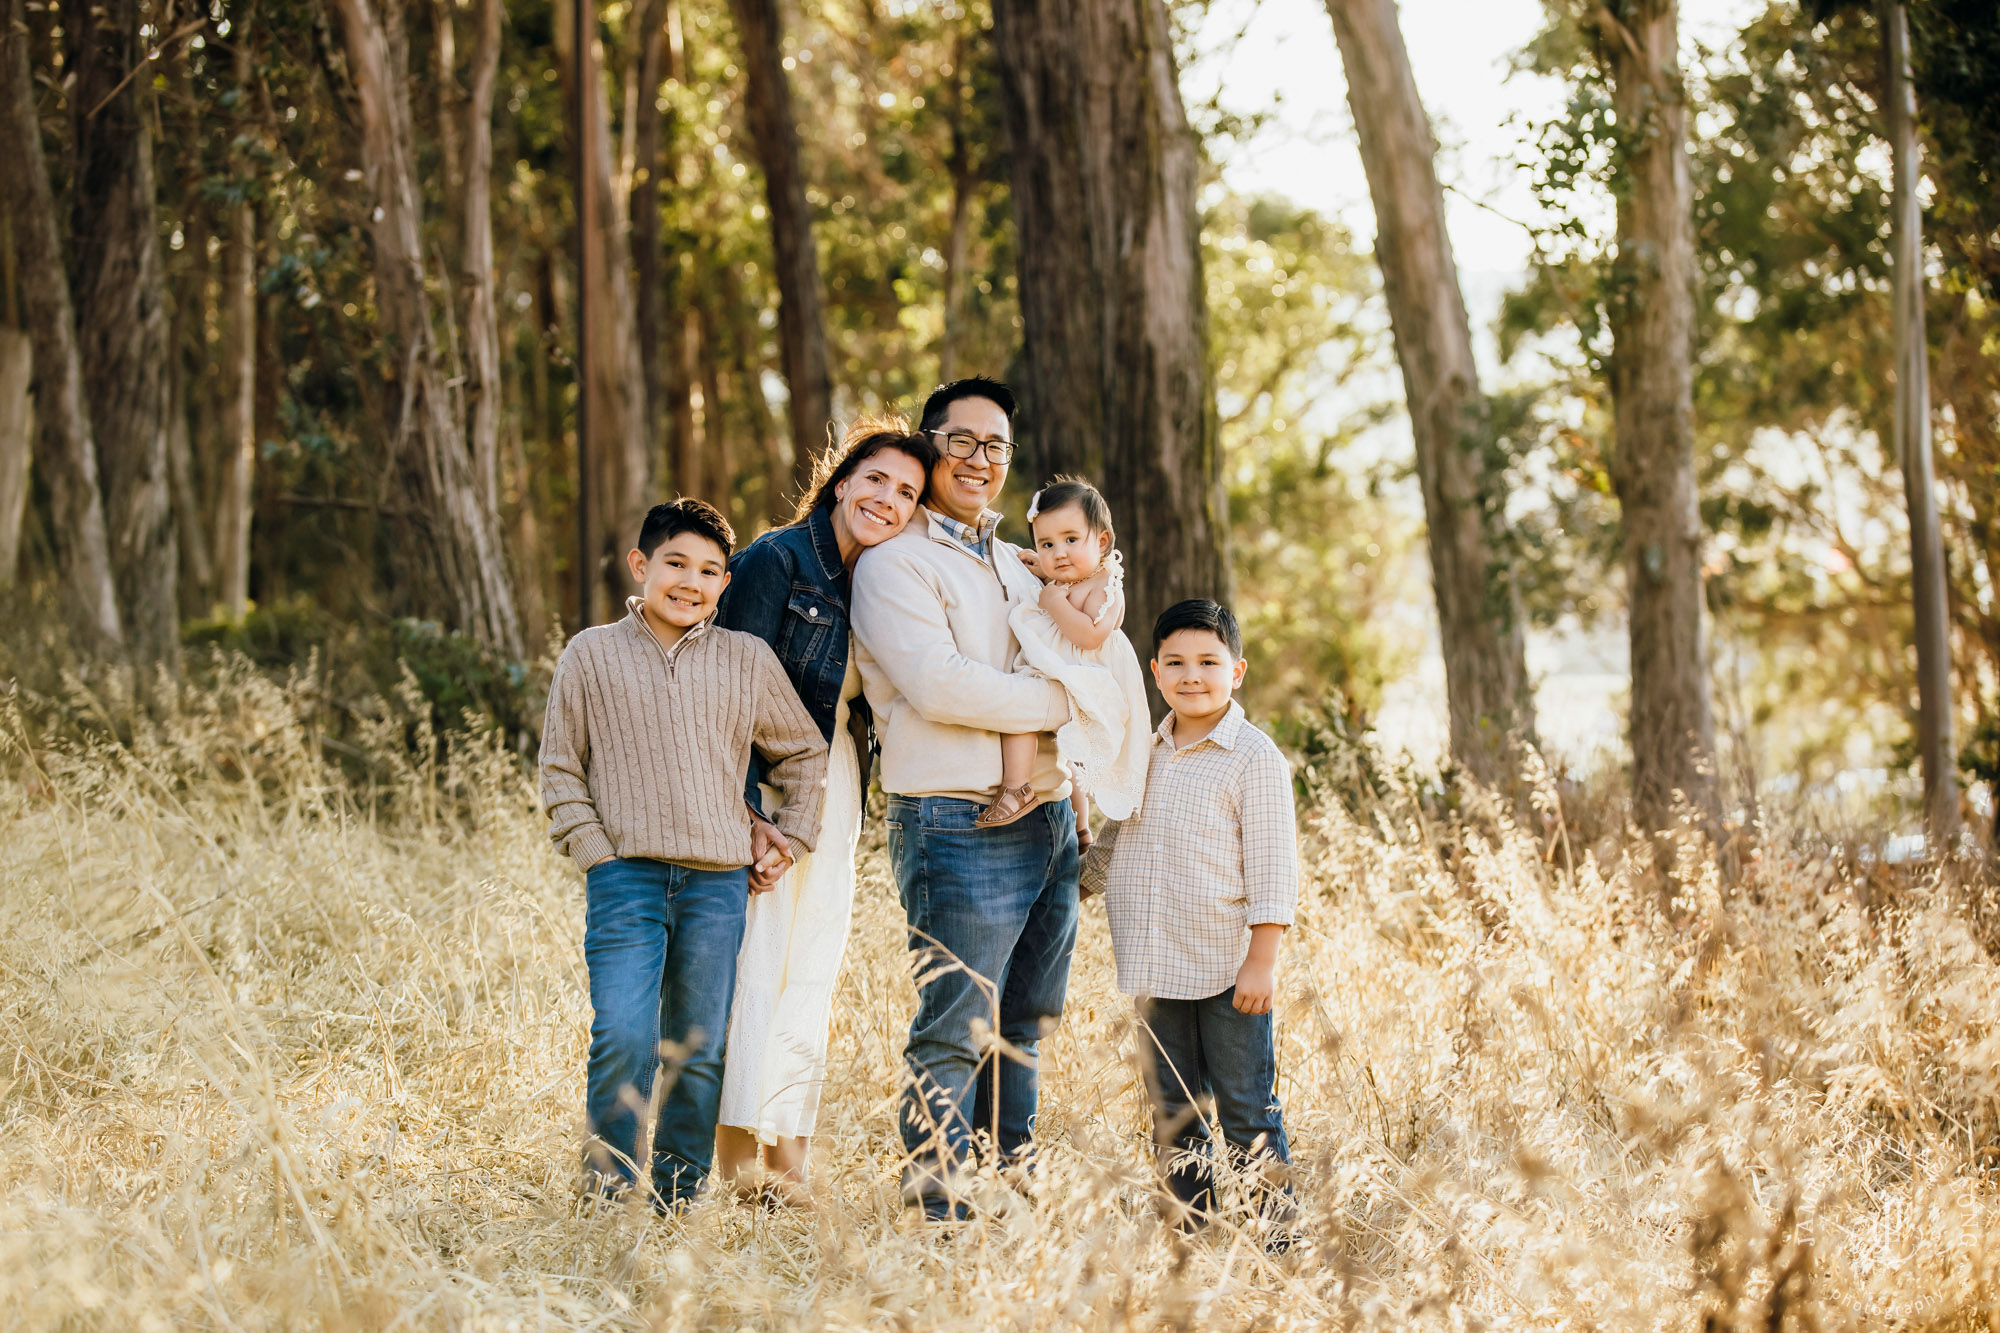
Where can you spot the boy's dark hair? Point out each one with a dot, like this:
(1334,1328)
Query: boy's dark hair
(1065,491)
(686,514)
(1199,613)
(972,386)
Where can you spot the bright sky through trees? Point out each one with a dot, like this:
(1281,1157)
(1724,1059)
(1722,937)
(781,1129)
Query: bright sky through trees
(1277,58)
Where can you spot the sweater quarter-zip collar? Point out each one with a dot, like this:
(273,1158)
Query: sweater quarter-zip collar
(636,606)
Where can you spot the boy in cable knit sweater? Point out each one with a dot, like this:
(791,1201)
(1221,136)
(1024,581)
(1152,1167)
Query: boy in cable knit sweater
(648,734)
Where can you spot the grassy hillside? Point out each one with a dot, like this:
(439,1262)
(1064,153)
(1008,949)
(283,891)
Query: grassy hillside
(291,1044)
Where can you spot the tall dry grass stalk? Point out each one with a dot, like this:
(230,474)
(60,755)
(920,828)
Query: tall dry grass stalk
(281,1051)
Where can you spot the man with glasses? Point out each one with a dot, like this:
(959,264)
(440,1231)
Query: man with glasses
(993,910)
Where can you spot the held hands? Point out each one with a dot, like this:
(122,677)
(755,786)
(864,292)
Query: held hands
(770,855)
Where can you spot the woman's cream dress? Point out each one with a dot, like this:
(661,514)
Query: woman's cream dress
(794,938)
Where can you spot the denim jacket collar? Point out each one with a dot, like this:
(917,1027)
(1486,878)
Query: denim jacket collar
(826,547)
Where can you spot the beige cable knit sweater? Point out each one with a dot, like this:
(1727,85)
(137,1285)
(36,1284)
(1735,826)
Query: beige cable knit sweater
(644,748)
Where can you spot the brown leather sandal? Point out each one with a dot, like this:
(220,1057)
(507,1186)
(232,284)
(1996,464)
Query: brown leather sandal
(1013,803)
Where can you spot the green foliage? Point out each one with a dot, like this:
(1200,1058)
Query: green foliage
(1793,392)
(462,684)
(1957,70)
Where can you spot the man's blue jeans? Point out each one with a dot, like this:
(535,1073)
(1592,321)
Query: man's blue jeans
(1200,1052)
(660,942)
(992,915)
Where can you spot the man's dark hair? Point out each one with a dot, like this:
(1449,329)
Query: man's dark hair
(685,515)
(1199,613)
(972,386)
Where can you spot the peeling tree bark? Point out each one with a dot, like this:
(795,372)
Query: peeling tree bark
(1117,386)
(457,563)
(801,317)
(1485,663)
(1652,389)
(65,455)
(124,339)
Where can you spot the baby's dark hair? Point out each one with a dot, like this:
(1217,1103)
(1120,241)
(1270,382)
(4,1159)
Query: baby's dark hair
(686,514)
(1199,613)
(1064,491)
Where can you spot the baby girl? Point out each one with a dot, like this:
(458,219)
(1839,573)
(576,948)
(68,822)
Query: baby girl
(1072,636)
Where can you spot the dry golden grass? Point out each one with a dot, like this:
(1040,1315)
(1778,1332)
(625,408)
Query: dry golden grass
(277,1054)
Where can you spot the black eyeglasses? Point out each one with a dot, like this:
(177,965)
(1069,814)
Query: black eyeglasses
(963,444)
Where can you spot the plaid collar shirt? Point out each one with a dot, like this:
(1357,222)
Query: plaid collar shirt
(976,540)
(1212,852)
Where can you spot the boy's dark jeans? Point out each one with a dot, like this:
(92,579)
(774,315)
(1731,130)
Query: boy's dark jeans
(660,943)
(1203,1052)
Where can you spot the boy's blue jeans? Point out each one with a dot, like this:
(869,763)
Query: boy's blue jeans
(660,942)
(1001,902)
(1201,1052)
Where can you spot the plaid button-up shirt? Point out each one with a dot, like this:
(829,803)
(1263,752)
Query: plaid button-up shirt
(972,539)
(1212,852)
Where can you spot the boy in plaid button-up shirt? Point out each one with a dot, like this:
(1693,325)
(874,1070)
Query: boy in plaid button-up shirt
(1200,887)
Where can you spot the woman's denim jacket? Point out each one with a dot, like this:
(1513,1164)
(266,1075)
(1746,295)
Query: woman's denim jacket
(789,588)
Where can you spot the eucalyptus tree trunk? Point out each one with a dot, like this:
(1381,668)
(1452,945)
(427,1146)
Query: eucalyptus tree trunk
(475,261)
(689,444)
(1913,441)
(1479,619)
(679,325)
(237,495)
(17,355)
(1117,385)
(191,512)
(641,163)
(622,475)
(801,318)
(455,561)
(124,338)
(762,453)
(1652,389)
(964,183)
(65,455)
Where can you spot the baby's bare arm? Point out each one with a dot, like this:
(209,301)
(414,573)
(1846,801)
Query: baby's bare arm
(1075,612)
(1095,593)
